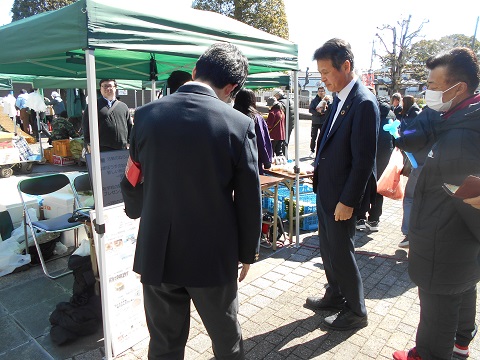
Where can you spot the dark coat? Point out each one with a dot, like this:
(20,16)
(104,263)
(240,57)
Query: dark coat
(346,162)
(385,139)
(317,118)
(410,115)
(114,125)
(444,232)
(201,195)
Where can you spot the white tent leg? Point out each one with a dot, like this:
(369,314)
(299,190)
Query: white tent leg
(297,168)
(97,190)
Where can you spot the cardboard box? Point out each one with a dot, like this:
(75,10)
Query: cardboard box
(61,147)
(47,154)
(62,160)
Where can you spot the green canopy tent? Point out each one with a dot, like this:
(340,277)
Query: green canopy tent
(137,40)
(5,83)
(127,36)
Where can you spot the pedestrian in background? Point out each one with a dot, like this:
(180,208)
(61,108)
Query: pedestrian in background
(276,126)
(114,122)
(245,102)
(319,109)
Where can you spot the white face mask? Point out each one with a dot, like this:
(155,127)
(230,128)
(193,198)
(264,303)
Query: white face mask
(433,98)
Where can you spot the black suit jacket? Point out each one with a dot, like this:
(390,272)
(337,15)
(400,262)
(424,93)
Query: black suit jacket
(201,211)
(345,163)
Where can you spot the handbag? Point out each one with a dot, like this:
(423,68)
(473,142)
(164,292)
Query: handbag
(391,183)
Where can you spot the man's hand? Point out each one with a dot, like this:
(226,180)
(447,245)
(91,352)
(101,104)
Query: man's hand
(343,212)
(475,202)
(243,273)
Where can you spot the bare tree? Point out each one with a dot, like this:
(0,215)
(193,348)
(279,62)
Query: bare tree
(396,56)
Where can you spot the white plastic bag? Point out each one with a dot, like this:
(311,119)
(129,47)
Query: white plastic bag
(10,256)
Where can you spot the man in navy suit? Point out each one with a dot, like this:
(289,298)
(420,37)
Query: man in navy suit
(344,180)
(201,212)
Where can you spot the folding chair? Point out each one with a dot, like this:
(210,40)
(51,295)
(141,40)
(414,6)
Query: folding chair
(82,184)
(42,185)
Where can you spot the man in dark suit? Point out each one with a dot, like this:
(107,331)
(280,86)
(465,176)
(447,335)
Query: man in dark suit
(344,180)
(201,212)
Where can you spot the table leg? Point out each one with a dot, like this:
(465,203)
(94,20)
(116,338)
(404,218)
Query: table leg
(275,215)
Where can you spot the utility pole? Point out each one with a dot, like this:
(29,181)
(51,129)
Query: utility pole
(475,35)
(373,54)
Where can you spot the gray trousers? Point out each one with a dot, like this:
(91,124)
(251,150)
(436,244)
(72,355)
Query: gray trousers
(167,311)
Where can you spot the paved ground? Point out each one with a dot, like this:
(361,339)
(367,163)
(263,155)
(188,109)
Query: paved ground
(275,323)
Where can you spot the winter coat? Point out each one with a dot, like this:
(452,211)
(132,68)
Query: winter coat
(264,143)
(444,232)
(276,123)
(317,118)
(385,139)
(410,115)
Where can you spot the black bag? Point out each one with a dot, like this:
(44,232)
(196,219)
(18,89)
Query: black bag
(268,217)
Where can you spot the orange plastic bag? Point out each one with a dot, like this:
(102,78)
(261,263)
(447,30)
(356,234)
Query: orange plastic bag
(391,184)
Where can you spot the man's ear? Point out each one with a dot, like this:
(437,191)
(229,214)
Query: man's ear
(462,88)
(228,89)
(194,73)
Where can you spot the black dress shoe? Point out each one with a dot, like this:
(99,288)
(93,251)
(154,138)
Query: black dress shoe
(345,320)
(318,303)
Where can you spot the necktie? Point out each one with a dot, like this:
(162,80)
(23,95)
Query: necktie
(333,110)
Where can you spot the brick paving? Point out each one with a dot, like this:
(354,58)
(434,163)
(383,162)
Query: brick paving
(275,323)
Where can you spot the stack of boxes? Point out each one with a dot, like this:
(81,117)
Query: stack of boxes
(62,155)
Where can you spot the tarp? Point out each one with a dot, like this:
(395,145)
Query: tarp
(126,35)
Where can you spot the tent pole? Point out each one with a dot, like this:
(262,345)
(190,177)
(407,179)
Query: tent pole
(153,91)
(297,167)
(97,190)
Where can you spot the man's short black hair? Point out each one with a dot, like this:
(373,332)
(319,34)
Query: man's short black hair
(108,80)
(177,78)
(336,50)
(461,64)
(223,64)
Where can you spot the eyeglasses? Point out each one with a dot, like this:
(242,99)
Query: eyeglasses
(108,86)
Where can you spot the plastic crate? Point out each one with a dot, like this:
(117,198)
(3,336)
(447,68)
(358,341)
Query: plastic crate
(308,205)
(267,204)
(303,188)
(61,148)
(309,222)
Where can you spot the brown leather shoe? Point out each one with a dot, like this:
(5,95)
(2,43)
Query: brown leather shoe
(319,303)
(345,320)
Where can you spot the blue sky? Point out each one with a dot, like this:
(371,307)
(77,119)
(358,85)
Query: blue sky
(311,22)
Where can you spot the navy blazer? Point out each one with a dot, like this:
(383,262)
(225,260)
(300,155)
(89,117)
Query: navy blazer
(345,163)
(201,211)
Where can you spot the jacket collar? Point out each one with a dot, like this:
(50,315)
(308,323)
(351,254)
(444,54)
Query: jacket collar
(198,88)
(347,104)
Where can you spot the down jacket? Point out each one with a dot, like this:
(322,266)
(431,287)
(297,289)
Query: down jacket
(444,231)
